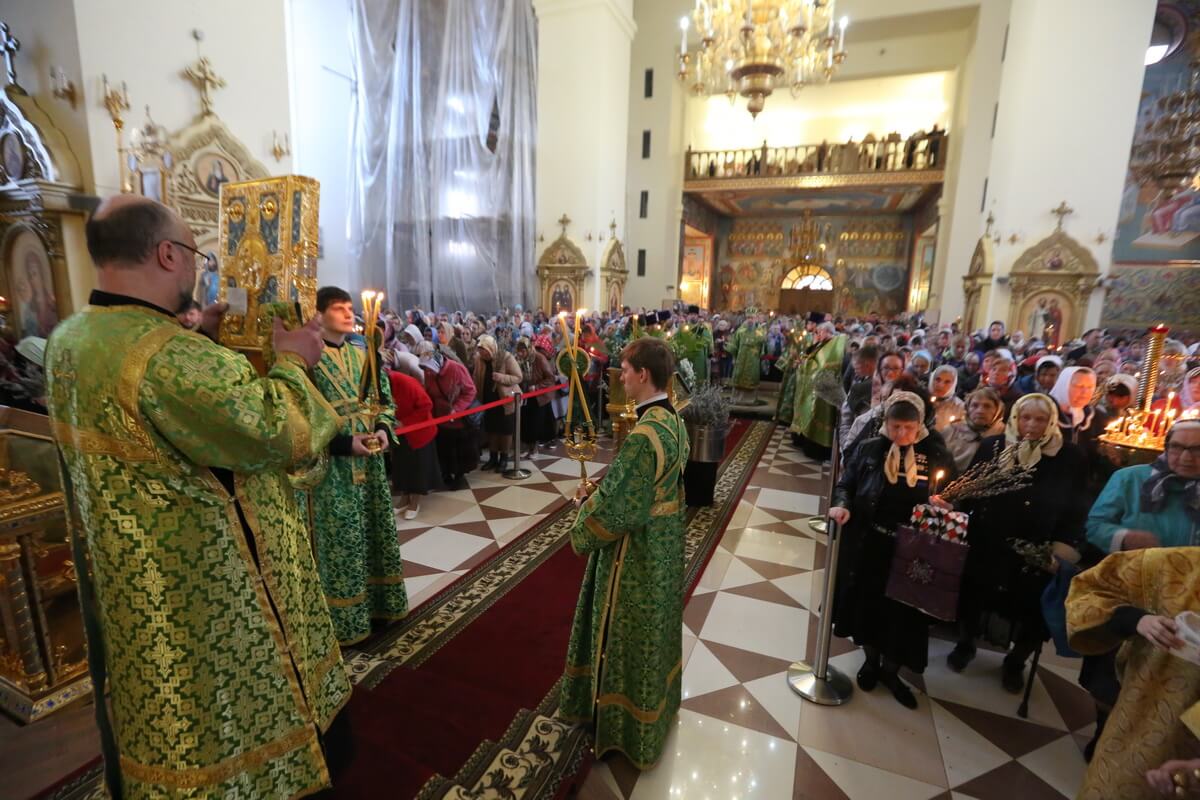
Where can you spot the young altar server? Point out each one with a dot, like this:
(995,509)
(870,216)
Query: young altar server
(354,526)
(624,656)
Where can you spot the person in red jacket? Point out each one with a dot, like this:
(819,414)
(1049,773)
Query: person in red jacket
(415,469)
(451,389)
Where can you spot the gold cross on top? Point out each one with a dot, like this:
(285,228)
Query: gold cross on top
(201,73)
(1061,212)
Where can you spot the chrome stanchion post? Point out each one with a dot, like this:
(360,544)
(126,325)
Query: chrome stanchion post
(516,473)
(818,682)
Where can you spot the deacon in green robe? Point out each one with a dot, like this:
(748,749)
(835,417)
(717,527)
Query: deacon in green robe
(625,653)
(354,525)
(815,418)
(747,347)
(700,357)
(203,609)
(797,342)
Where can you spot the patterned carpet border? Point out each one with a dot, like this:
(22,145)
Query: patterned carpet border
(539,752)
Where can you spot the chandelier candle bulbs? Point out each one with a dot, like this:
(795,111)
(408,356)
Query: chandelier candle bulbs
(753,47)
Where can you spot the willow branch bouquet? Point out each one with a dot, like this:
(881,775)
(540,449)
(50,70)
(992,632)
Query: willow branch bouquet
(827,385)
(989,479)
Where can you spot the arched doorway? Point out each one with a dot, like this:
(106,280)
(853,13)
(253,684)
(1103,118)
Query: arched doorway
(806,288)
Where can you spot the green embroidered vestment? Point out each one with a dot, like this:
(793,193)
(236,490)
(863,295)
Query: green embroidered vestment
(624,656)
(221,660)
(354,525)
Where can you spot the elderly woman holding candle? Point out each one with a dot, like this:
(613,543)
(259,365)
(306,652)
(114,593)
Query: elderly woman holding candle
(998,579)
(947,408)
(984,417)
(883,479)
(497,376)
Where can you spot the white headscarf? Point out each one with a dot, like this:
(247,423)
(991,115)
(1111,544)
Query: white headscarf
(415,333)
(1055,360)
(1030,452)
(1061,393)
(953,386)
(891,462)
(1186,398)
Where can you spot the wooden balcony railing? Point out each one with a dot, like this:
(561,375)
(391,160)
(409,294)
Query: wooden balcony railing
(888,155)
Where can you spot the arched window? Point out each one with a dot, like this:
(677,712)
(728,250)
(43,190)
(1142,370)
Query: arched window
(808,276)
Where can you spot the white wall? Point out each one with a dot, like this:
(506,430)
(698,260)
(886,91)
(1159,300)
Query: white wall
(662,174)
(320,65)
(583,115)
(148,44)
(834,112)
(1069,93)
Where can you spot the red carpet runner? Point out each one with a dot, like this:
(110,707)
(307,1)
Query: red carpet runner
(461,694)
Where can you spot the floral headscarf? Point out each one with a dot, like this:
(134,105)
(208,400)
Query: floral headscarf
(1030,452)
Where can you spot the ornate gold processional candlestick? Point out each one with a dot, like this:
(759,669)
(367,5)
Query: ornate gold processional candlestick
(372,302)
(580,439)
(1140,435)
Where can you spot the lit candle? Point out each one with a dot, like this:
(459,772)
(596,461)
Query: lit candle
(937,478)
(562,321)
(683,26)
(842,35)
(1154,420)
(578,319)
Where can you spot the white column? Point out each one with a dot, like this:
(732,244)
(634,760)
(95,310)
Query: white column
(583,113)
(1069,86)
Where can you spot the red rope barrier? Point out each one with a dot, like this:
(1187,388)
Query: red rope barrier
(468,412)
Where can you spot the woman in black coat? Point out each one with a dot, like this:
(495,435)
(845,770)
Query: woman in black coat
(882,480)
(1051,508)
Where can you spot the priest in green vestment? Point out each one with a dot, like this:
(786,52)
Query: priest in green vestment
(354,526)
(625,653)
(814,418)
(700,356)
(203,610)
(747,347)
(798,341)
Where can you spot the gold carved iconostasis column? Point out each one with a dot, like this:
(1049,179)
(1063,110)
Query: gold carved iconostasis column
(977,284)
(613,272)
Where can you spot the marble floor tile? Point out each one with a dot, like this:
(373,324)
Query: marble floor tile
(793,502)
(705,758)
(966,753)
(756,626)
(1059,764)
(794,551)
(704,673)
(863,782)
(443,548)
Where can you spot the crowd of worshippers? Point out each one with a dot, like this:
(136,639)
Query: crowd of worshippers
(921,408)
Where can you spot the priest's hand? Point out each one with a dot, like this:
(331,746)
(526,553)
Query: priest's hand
(383,440)
(210,319)
(361,444)
(1184,775)
(304,342)
(1159,631)
(582,493)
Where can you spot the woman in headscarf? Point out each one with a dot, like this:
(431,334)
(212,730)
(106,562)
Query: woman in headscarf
(919,363)
(537,417)
(881,482)
(1082,423)
(984,418)
(497,376)
(451,390)
(1044,376)
(1117,395)
(1050,509)
(1189,393)
(451,344)
(415,468)
(866,395)
(947,408)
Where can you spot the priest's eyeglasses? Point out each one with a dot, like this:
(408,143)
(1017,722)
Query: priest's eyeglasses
(201,257)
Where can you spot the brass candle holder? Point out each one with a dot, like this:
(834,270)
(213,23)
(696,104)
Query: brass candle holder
(580,440)
(1140,435)
(373,404)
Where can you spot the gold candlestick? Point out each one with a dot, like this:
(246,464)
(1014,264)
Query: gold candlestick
(372,302)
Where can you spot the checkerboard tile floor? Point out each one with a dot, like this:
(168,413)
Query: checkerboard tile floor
(742,733)
(456,531)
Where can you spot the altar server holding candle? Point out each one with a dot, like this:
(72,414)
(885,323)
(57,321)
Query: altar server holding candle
(354,530)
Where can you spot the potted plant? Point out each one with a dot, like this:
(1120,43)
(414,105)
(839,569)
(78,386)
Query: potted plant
(706,416)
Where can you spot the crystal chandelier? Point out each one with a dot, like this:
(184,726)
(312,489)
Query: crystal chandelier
(752,47)
(1166,152)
